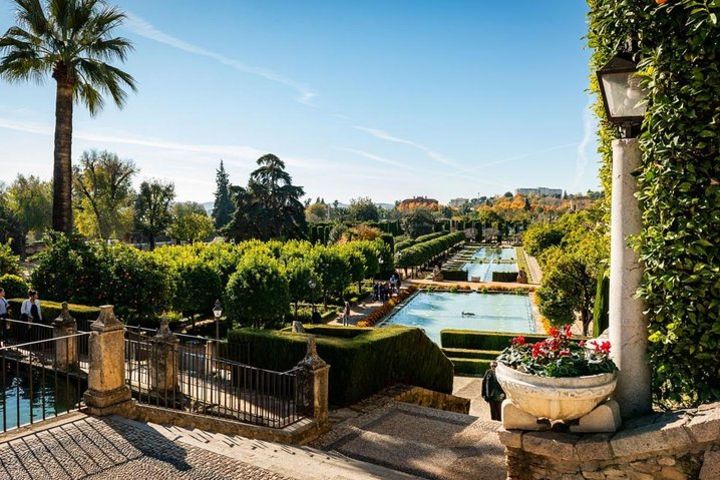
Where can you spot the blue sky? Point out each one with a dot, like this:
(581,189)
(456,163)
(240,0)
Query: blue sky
(386,99)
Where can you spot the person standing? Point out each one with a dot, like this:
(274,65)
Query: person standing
(346,314)
(492,392)
(4,314)
(30,310)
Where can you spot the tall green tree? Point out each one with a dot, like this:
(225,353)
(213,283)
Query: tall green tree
(30,200)
(363,210)
(190,223)
(270,206)
(72,41)
(104,193)
(152,209)
(419,221)
(223,207)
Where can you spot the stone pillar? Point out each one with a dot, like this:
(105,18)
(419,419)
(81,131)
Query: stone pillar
(106,376)
(316,374)
(628,325)
(66,352)
(164,361)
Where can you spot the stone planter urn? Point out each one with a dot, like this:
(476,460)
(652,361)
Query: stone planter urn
(566,399)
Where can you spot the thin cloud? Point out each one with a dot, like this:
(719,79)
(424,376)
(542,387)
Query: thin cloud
(143,28)
(382,135)
(376,158)
(246,154)
(582,148)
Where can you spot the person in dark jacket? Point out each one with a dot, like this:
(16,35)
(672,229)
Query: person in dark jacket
(492,392)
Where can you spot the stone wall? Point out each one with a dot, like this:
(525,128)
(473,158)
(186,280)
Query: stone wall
(671,446)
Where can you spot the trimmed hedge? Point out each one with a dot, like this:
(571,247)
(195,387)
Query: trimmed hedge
(455,275)
(470,353)
(423,252)
(480,340)
(360,366)
(84,314)
(470,367)
(506,277)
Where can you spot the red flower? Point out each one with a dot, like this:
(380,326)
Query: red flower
(566,331)
(564,352)
(603,347)
(518,341)
(554,332)
(581,343)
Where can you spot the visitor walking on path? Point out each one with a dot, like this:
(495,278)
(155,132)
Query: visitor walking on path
(492,392)
(346,315)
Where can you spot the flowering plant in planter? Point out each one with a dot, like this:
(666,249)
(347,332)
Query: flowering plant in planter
(558,356)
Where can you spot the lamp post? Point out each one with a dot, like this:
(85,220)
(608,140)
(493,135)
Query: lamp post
(624,100)
(217,311)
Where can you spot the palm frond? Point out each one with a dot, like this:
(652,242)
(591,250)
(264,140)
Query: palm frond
(32,14)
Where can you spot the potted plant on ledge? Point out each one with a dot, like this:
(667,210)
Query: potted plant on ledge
(558,379)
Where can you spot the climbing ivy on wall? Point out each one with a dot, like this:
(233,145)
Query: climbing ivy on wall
(679,182)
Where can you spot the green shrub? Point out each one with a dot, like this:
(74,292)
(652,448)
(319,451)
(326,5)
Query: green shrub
(14,285)
(360,366)
(94,273)
(257,293)
(479,340)
(9,262)
(196,286)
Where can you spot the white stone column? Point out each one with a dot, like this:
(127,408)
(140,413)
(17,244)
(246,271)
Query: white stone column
(628,325)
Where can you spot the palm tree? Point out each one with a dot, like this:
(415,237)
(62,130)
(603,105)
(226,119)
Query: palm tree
(70,40)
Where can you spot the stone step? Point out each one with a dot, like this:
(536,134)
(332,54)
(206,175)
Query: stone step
(425,442)
(303,463)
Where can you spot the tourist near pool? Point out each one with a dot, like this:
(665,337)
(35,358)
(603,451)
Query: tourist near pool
(436,311)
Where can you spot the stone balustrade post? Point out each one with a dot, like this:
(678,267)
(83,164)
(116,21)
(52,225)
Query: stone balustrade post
(164,360)
(66,350)
(106,376)
(316,373)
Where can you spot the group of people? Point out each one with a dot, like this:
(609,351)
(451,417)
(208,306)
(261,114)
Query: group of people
(30,311)
(382,291)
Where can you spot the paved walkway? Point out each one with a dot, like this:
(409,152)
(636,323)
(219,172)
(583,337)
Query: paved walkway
(84,447)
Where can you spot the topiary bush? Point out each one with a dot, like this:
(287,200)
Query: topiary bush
(678,45)
(257,293)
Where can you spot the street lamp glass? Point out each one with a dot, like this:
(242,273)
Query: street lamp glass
(622,92)
(217,310)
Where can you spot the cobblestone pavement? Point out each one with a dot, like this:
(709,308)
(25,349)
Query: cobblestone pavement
(110,448)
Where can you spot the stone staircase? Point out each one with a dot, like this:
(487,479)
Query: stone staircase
(425,442)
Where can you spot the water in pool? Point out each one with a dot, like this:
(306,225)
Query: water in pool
(435,311)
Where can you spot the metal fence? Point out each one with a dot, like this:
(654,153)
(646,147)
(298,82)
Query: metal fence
(35,381)
(193,378)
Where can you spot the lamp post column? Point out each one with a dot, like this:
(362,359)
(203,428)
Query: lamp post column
(628,324)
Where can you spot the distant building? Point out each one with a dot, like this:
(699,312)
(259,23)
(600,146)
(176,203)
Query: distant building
(540,192)
(458,202)
(418,202)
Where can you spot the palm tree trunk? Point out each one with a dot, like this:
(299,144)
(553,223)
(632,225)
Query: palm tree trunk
(62,169)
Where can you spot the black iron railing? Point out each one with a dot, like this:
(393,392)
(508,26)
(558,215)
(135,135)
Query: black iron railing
(38,379)
(193,379)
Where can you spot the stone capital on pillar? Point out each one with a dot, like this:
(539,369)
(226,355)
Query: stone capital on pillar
(106,376)
(316,375)
(66,353)
(164,365)
(628,325)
